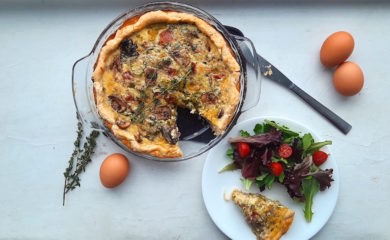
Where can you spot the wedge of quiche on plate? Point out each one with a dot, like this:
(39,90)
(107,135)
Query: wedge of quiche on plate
(267,218)
(155,63)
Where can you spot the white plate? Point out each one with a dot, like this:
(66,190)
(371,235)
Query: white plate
(228,217)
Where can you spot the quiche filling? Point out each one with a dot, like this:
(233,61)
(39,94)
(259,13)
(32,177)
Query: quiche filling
(267,218)
(153,71)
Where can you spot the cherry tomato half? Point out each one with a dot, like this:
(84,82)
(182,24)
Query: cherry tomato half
(319,157)
(276,168)
(285,151)
(243,149)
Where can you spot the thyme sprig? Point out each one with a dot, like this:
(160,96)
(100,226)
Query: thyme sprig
(177,83)
(71,174)
(76,149)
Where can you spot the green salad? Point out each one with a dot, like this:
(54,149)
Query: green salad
(276,154)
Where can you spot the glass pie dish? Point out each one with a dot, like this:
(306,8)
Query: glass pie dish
(198,137)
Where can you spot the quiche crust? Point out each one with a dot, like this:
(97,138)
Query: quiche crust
(159,147)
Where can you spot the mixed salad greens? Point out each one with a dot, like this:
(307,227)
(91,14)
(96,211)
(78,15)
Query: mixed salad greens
(277,154)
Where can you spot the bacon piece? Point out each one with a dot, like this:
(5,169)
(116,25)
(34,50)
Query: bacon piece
(127,76)
(172,72)
(166,37)
(129,98)
(170,99)
(218,76)
(193,67)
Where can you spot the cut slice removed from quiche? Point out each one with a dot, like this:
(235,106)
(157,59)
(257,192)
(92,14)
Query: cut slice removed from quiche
(267,218)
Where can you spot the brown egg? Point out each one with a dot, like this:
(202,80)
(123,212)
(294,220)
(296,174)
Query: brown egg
(336,49)
(114,170)
(348,79)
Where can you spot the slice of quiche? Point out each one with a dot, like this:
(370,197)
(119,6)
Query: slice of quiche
(155,63)
(268,219)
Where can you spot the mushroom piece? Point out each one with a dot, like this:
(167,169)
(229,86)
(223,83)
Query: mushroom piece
(181,56)
(128,49)
(220,113)
(162,112)
(138,138)
(170,133)
(209,97)
(123,124)
(166,62)
(192,34)
(207,45)
(116,65)
(117,104)
(150,76)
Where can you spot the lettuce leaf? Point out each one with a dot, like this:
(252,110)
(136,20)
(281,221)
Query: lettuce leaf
(247,183)
(259,140)
(316,146)
(310,187)
(293,179)
(244,133)
(251,165)
(230,167)
(324,177)
(266,179)
(229,153)
(258,129)
(307,141)
(286,131)
(281,177)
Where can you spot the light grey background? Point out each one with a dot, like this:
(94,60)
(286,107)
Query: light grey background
(39,42)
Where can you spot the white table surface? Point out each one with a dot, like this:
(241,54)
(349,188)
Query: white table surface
(39,43)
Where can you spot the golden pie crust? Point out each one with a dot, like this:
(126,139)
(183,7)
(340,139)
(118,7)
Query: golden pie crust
(133,92)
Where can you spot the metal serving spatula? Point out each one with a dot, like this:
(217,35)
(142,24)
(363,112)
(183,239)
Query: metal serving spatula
(272,73)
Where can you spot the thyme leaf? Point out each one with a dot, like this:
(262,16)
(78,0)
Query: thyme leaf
(138,113)
(76,149)
(82,158)
(179,83)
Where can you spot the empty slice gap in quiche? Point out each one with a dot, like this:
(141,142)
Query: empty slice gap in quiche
(156,63)
(267,218)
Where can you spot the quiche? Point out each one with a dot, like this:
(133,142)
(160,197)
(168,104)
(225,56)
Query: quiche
(156,63)
(268,219)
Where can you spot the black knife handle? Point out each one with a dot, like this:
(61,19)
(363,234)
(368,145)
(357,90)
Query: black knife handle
(338,122)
